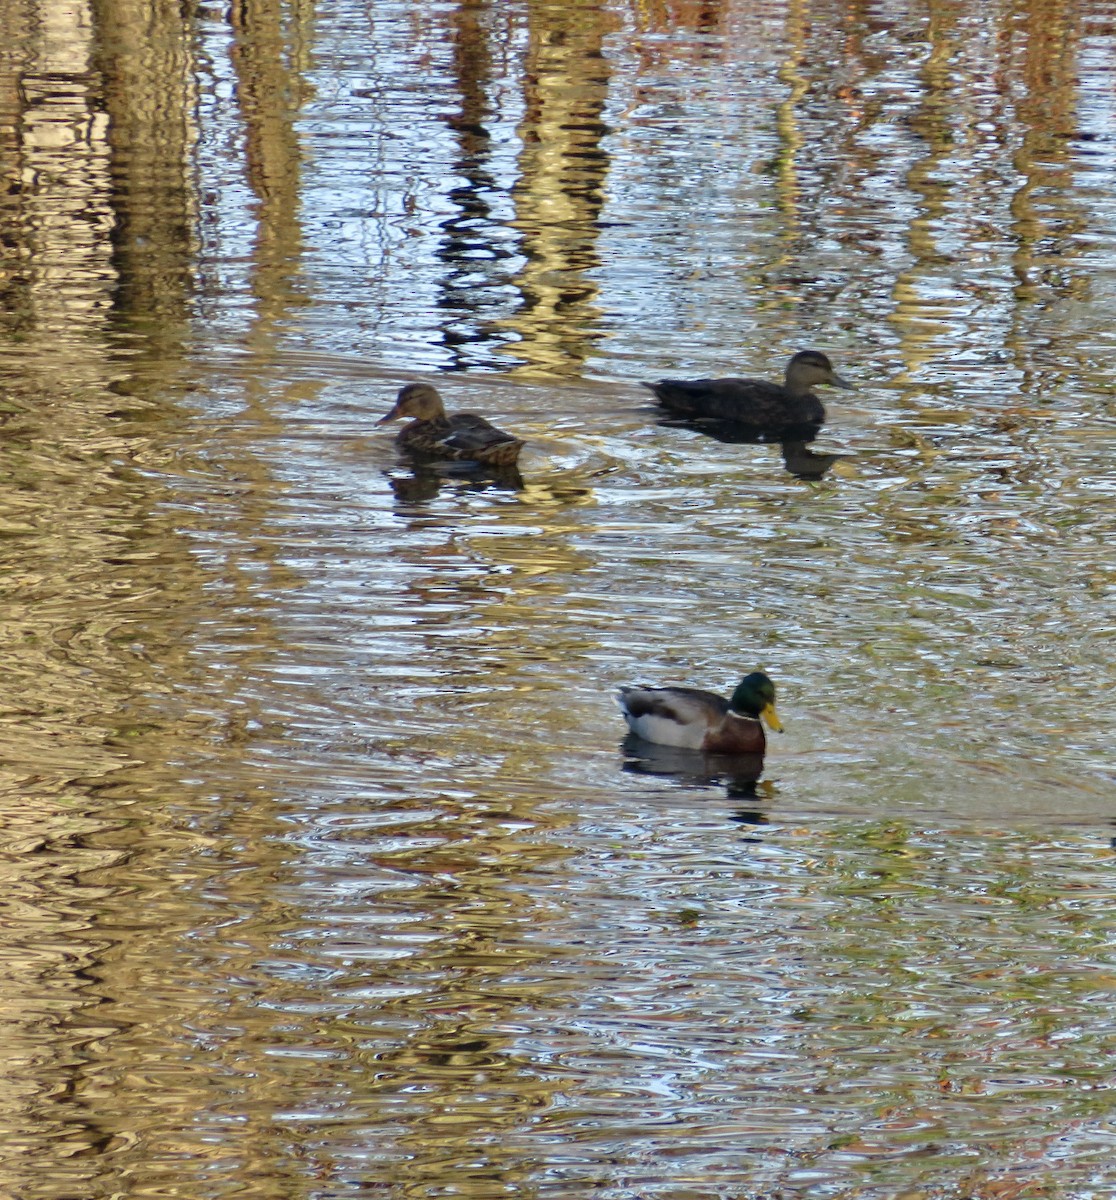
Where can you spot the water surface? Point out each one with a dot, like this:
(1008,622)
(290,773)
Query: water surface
(327,871)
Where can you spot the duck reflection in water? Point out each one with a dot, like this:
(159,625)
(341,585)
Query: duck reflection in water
(798,458)
(426,479)
(739,774)
(806,463)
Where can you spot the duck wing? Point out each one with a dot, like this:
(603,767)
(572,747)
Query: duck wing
(469,436)
(471,432)
(672,716)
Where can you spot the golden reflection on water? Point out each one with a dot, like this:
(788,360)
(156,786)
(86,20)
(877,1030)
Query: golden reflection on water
(962,213)
(324,866)
(562,168)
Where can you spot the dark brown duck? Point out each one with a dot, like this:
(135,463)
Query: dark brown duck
(756,402)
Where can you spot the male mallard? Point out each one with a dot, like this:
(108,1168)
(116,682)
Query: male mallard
(693,719)
(458,436)
(755,402)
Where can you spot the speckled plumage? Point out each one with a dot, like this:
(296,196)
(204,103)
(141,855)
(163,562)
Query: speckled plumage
(460,437)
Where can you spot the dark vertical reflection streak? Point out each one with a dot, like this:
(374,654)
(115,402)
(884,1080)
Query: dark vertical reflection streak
(144,55)
(56,204)
(475,246)
(14,276)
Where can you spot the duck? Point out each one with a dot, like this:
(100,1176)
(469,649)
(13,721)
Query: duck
(755,402)
(694,719)
(462,437)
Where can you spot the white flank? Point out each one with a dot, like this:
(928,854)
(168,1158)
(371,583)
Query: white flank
(665,732)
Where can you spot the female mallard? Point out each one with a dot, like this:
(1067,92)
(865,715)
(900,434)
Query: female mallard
(458,436)
(769,406)
(696,720)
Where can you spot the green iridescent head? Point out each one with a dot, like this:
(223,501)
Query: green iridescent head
(755,697)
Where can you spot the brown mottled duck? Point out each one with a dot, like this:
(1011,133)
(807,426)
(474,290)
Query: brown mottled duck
(462,437)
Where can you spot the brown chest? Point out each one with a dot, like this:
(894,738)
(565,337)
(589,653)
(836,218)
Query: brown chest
(735,735)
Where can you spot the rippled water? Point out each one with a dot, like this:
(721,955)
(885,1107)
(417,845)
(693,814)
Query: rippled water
(327,871)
